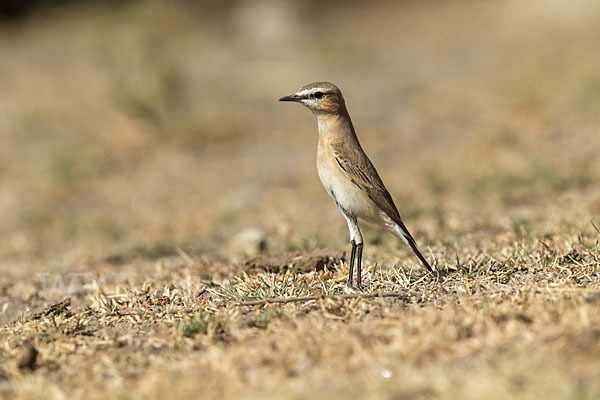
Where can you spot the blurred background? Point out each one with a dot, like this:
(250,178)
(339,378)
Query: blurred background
(132,128)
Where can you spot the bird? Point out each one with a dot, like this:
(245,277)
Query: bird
(347,173)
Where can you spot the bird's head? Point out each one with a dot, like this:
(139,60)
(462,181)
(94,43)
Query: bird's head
(320,97)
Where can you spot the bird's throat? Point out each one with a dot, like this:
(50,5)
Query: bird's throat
(334,127)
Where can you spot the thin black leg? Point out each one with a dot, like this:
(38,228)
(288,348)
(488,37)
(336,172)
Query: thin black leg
(352,253)
(358,265)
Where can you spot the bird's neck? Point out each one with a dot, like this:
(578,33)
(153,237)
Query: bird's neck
(336,127)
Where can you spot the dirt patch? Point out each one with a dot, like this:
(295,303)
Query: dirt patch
(300,261)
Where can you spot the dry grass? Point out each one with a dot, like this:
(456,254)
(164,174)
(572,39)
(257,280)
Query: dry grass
(145,158)
(522,326)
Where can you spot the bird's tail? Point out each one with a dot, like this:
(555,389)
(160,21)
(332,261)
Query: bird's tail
(410,241)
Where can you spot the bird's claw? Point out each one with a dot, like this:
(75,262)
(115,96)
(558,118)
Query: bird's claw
(359,287)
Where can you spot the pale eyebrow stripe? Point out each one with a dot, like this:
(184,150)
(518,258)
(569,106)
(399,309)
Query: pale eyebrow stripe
(312,91)
(305,92)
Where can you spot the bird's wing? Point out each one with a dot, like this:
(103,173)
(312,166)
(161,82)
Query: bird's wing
(357,167)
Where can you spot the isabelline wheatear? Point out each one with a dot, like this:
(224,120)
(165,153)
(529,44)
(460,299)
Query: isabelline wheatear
(347,173)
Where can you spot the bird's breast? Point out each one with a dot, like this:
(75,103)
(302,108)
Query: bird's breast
(329,173)
(347,195)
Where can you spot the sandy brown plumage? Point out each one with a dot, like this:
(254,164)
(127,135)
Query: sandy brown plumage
(359,170)
(347,173)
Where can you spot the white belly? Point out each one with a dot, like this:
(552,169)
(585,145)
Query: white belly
(346,194)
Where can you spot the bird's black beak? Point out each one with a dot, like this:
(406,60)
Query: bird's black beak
(291,97)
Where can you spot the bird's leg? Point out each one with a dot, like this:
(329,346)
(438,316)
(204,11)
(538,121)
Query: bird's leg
(355,239)
(352,253)
(358,265)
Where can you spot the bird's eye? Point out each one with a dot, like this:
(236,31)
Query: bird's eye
(318,95)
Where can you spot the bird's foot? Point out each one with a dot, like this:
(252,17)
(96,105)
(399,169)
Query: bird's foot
(359,287)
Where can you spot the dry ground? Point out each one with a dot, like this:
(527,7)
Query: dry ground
(144,157)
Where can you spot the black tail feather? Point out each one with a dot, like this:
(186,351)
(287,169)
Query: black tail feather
(413,245)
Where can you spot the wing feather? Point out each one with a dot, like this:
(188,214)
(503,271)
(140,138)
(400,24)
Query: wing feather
(357,167)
